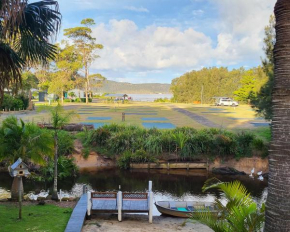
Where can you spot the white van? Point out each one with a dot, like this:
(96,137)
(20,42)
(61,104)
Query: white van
(225,101)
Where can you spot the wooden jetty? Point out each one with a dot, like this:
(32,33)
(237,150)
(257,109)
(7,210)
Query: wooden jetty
(77,218)
(167,165)
(119,202)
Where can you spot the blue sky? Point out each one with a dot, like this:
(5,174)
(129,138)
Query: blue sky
(158,40)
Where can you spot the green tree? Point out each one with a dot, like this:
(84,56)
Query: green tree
(96,81)
(26,141)
(240,214)
(67,64)
(206,83)
(59,117)
(24,37)
(86,45)
(263,101)
(251,83)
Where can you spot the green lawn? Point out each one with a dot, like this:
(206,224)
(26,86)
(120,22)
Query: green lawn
(225,117)
(34,218)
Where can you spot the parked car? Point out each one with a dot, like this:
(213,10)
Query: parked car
(225,101)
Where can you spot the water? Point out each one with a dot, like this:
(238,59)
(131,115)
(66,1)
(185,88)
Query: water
(175,185)
(143,97)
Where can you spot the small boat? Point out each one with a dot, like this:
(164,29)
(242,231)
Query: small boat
(183,208)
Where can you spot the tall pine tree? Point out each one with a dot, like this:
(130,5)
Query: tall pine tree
(263,101)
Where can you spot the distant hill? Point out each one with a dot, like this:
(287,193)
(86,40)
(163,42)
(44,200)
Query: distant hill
(124,87)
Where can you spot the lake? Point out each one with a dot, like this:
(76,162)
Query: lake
(173,185)
(143,97)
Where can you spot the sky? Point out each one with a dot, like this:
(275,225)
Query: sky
(156,41)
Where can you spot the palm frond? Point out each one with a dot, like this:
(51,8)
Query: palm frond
(240,213)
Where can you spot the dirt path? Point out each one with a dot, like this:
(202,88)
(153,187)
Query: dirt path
(200,119)
(139,223)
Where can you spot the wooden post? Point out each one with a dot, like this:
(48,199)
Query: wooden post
(150,186)
(20,197)
(60,195)
(119,202)
(150,202)
(89,205)
(123,117)
(85,189)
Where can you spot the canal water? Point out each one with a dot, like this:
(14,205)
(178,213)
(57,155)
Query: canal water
(172,185)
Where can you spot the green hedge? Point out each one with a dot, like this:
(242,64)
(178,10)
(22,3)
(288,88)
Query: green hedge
(14,102)
(83,99)
(186,143)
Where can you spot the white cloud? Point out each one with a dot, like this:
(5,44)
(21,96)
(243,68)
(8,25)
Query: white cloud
(198,12)
(127,47)
(137,9)
(130,49)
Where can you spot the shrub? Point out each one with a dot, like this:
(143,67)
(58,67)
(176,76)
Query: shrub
(124,160)
(187,143)
(66,168)
(65,143)
(66,100)
(83,99)
(11,103)
(140,156)
(244,148)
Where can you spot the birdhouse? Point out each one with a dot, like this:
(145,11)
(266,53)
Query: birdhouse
(18,169)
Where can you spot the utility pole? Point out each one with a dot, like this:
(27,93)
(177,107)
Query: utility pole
(201,94)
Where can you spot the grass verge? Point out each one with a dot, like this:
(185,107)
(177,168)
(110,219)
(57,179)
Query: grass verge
(48,218)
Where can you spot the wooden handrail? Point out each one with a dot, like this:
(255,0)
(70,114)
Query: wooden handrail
(112,195)
(135,196)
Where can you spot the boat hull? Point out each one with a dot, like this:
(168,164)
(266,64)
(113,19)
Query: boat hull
(180,207)
(173,213)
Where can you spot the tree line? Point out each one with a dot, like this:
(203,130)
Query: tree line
(202,86)
(67,69)
(253,86)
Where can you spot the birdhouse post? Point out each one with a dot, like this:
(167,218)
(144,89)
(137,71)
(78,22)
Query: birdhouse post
(18,170)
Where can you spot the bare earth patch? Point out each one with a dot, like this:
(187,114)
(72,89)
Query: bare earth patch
(139,223)
(93,161)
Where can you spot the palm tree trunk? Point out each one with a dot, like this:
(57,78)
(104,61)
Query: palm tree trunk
(54,192)
(278,200)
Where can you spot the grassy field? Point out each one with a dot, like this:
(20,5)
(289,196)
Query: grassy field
(239,118)
(48,218)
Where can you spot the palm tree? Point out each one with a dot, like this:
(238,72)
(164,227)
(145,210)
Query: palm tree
(240,214)
(278,204)
(26,141)
(24,37)
(59,118)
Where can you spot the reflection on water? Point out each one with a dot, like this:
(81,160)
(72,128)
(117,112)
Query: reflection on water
(173,185)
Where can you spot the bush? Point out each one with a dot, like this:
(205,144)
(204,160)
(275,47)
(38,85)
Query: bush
(187,143)
(66,100)
(83,99)
(66,167)
(244,148)
(140,156)
(65,143)
(11,103)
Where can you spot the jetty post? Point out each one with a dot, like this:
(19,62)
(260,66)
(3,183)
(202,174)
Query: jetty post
(150,202)
(89,204)
(119,202)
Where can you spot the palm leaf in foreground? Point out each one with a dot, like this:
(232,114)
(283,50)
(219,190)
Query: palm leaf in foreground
(239,214)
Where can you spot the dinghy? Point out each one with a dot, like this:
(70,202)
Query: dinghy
(183,208)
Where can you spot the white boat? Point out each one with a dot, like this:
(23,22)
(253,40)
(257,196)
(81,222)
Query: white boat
(184,208)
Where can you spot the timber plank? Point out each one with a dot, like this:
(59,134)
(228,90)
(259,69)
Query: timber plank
(76,221)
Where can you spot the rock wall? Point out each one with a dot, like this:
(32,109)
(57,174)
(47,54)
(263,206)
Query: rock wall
(244,164)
